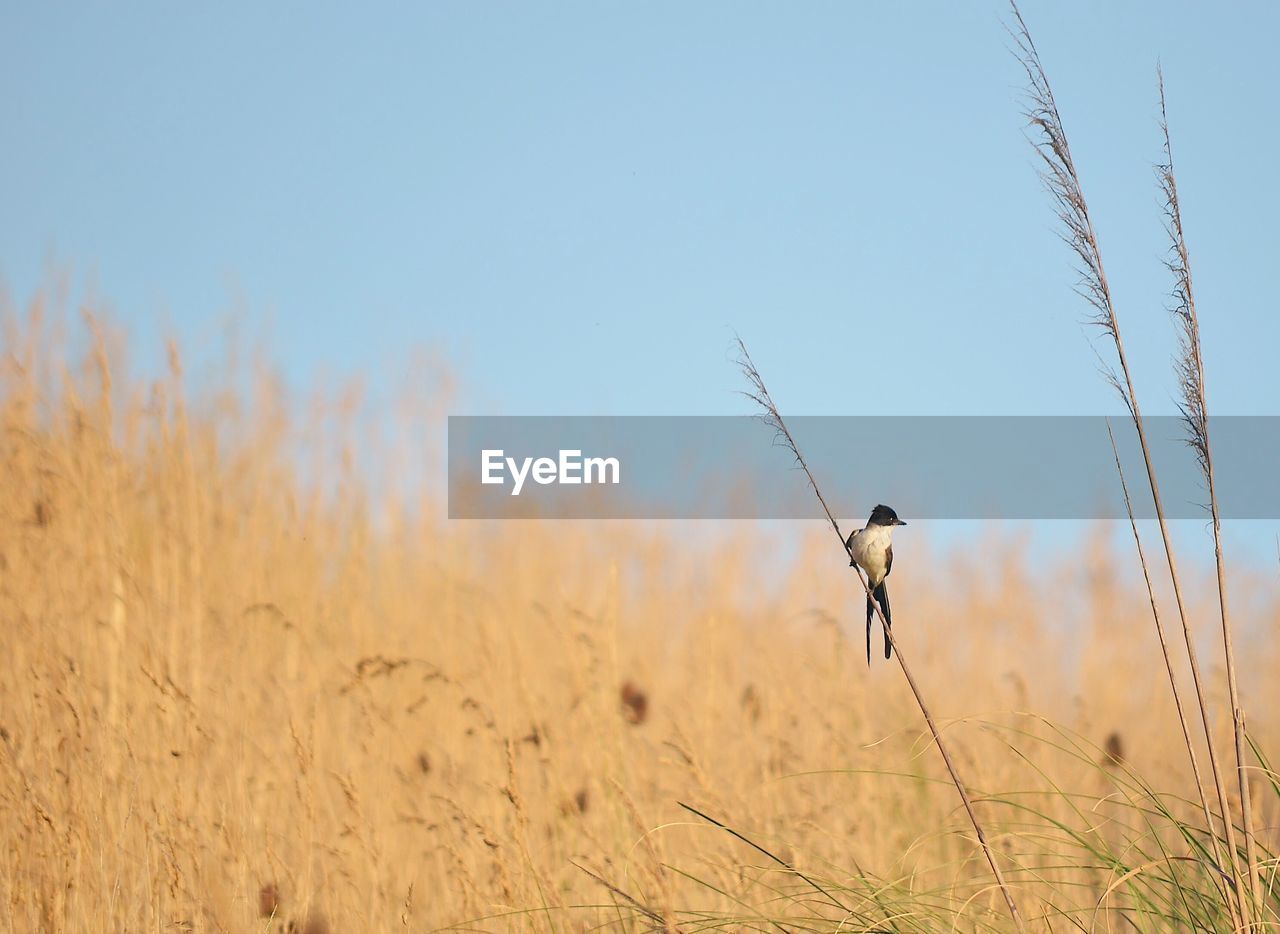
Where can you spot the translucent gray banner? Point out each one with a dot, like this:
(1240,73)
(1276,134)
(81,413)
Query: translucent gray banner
(926,467)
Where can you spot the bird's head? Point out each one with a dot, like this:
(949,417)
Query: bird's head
(883,515)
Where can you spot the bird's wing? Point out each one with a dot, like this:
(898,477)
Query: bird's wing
(848,544)
(888,560)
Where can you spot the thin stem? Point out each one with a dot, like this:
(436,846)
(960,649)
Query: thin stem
(1168,661)
(773,418)
(1063,183)
(1195,411)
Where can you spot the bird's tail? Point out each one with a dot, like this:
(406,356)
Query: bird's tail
(871,612)
(881,594)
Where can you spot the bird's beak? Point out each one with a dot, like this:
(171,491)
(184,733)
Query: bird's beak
(900,522)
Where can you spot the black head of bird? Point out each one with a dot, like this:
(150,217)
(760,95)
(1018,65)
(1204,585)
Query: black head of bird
(884,515)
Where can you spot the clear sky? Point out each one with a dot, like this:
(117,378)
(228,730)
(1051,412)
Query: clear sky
(579,204)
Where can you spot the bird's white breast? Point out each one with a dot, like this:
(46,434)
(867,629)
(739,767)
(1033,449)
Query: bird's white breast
(870,546)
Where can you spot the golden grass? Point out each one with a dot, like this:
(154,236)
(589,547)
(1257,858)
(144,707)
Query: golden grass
(234,700)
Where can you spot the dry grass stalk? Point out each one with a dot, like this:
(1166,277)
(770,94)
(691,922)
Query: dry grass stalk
(1190,370)
(773,418)
(773,857)
(1063,184)
(657,919)
(1164,651)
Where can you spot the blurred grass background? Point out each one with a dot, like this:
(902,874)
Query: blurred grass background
(243,687)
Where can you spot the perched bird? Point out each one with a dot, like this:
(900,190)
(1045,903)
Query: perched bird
(871,549)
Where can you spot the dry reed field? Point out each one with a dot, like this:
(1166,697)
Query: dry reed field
(232,700)
(249,683)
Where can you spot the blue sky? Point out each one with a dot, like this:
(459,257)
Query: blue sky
(578,204)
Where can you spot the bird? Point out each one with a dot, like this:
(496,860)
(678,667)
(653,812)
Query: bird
(871,548)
